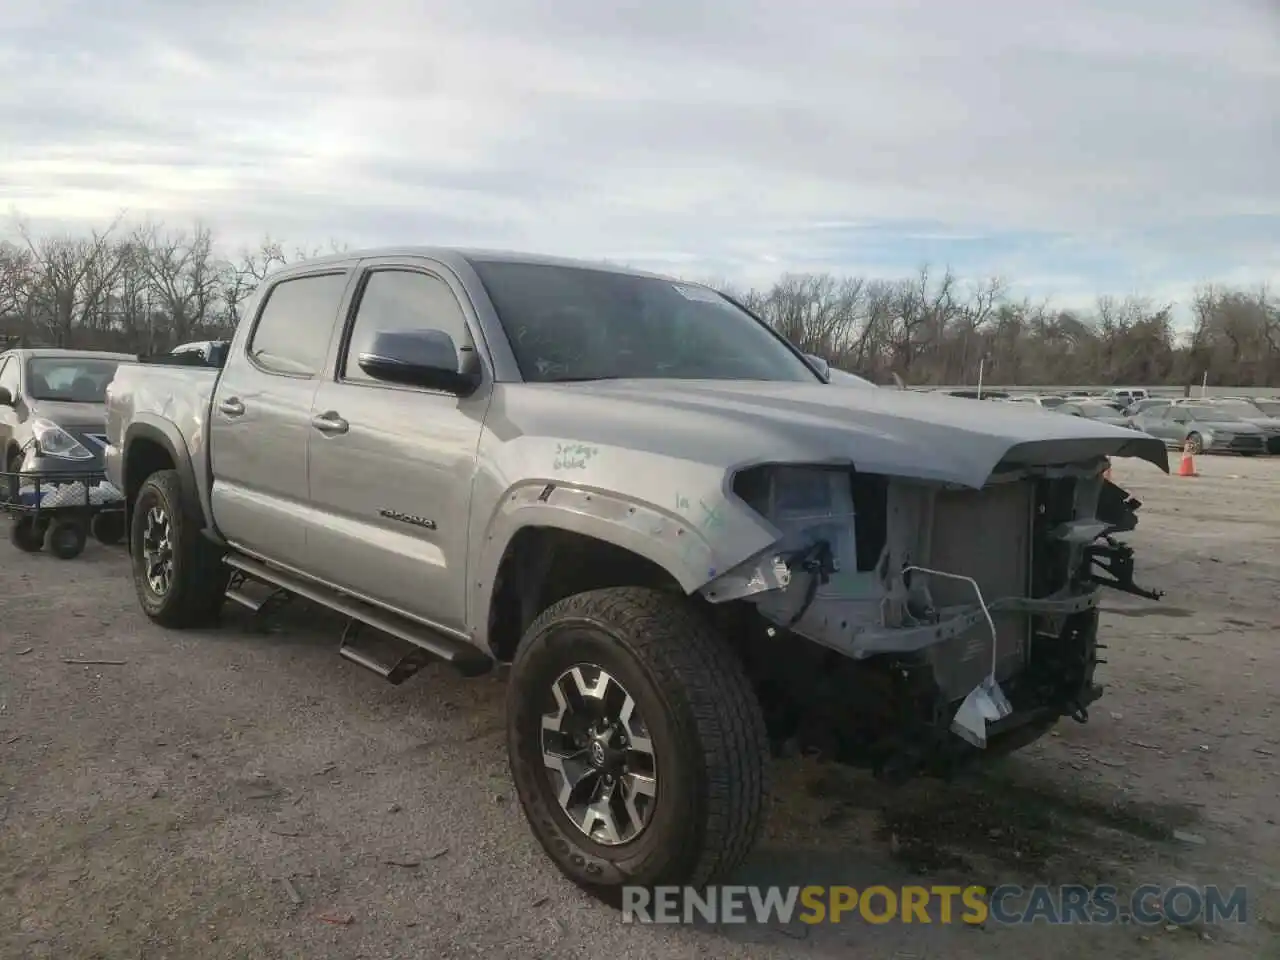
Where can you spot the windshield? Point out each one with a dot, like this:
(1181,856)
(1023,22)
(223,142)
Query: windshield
(1052,401)
(1270,408)
(577,323)
(69,379)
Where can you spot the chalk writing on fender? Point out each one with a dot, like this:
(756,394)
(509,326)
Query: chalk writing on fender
(573,456)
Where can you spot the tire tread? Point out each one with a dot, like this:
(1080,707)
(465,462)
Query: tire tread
(693,663)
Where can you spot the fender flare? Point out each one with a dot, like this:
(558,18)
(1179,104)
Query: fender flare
(664,538)
(170,439)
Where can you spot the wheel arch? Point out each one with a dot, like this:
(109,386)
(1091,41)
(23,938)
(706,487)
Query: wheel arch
(150,446)
(607,540)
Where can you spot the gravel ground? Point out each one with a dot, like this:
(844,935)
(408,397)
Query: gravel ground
(241,793)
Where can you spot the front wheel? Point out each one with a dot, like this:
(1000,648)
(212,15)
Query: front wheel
(1195,444)
(636,743)
(178,575)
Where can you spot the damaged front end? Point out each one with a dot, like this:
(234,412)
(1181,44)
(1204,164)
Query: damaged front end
(911,625)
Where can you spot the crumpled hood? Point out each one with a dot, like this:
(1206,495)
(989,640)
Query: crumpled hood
(892,432)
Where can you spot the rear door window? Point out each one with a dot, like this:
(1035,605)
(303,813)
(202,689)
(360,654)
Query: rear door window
(296,324)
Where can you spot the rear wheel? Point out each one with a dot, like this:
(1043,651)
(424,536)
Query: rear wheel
(637,745)
(1195,444)
(178,574)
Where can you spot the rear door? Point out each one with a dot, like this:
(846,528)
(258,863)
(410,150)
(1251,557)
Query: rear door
(260,424)
(392,466)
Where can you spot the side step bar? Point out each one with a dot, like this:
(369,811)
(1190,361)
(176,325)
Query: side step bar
(252,604)
(400,659)
(418,644)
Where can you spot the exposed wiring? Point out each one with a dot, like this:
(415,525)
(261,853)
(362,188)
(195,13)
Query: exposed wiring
(817,561)
(981,602)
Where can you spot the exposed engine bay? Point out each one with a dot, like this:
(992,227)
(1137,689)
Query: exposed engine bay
(924,620)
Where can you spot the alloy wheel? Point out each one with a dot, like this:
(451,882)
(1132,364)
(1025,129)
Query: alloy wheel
(157,551)
(598,755)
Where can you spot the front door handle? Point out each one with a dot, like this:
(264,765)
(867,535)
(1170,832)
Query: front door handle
(232,407)
(329,423)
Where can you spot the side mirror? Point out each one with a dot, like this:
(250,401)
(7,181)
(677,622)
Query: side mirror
(419,358)
(6,398)
(820,365)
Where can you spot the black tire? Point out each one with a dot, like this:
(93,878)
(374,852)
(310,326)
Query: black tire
(197,578)
(702,716)
(26,534)
(1249,453)
(107,528)
(67,538)
(1196,442)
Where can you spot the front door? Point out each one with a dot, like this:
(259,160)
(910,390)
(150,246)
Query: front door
(391,466)
(260,423)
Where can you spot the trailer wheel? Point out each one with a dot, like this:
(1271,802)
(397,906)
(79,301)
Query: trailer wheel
(26,534)
(108,528)
(67,539)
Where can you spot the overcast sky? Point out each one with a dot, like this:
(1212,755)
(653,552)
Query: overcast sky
(1073,147)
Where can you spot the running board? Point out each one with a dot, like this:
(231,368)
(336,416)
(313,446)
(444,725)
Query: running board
(391,658)
(237,595)
(395,665)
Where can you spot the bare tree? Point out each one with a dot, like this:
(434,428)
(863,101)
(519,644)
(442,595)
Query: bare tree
(72,277)
(183,277)
(156,287)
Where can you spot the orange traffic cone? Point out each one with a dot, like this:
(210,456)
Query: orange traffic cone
(1188,466)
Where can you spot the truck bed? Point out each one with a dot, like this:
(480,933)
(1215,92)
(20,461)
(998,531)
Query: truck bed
(164,395)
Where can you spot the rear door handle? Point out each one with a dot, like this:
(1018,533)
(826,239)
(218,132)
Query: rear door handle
(329,423)
(232,407)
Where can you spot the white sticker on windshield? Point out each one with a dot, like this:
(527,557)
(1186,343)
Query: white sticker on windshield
(698,294)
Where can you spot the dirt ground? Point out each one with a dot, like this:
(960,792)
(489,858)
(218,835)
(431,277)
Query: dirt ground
(231,793)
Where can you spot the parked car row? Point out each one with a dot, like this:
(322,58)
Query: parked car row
(1244,425)
(683,539)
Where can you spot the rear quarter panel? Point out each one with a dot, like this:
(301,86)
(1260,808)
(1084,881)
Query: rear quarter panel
(170,404)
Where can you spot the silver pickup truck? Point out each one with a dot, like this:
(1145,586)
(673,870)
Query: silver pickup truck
(688,545)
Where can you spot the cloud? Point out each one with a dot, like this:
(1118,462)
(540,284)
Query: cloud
(1096,146)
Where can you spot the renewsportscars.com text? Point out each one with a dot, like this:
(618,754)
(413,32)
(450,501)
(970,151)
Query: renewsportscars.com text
(1006,904)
